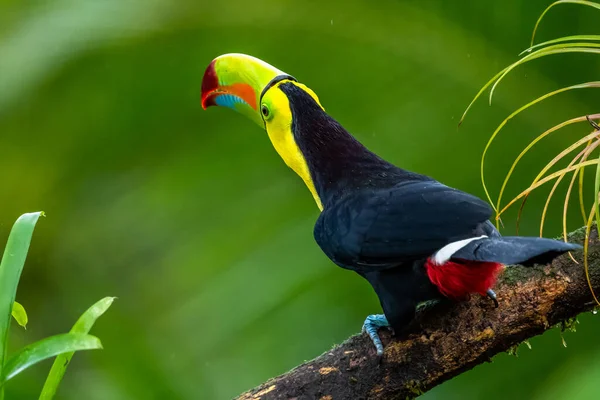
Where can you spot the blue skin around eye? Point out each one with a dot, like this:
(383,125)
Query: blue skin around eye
(229,100)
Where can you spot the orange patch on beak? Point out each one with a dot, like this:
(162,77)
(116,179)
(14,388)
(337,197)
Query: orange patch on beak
(241,90)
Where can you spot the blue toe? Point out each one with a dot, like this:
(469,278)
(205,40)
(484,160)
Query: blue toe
(371,325)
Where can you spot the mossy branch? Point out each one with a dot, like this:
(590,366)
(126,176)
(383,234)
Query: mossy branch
(449,338)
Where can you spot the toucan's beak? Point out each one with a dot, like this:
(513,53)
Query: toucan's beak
(237,81)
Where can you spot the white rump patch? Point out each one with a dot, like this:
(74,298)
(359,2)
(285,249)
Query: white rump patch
(446,252)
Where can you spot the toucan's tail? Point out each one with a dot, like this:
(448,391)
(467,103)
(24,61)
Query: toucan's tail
(513,250)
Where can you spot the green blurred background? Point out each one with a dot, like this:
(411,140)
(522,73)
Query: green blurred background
(198,227)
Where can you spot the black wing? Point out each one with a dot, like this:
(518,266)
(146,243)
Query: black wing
(379,229)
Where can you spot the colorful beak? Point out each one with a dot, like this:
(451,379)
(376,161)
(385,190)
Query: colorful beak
(237,81)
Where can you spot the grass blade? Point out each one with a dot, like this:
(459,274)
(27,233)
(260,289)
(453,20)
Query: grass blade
(579,171)
(531,144)
(579,47)
(555,49)
(582,154)
(537,24)
(586,245)
(47,348)
(566,208)
(545,180)
(566,151)
(11,266)
(581,199)
(563,39)
(82,326)
(478,95)
(588,151)
(19,314)
(555,186)
(594,84)
(597,191)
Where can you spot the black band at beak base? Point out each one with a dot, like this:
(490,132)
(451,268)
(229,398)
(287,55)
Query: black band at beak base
(273,81)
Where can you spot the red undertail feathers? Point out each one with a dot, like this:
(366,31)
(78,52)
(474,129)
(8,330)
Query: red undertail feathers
(456,280)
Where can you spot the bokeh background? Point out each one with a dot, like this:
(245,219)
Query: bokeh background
(193,221)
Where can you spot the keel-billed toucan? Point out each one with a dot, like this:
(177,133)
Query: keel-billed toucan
(413,238)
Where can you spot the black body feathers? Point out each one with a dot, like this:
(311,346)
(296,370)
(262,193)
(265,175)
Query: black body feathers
(385,222)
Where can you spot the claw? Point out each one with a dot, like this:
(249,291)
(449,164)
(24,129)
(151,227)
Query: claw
(371,325)
(492,295)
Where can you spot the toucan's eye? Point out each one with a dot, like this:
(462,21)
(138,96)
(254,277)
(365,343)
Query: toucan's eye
(264,110)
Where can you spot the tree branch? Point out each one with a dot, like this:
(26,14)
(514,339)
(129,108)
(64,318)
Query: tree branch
(449,338)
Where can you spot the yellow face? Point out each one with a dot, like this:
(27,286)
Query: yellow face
(277,116)
(237,81)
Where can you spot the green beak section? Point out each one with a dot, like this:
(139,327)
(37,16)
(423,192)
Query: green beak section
(237,81)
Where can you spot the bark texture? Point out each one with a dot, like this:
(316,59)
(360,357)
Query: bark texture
(449,339)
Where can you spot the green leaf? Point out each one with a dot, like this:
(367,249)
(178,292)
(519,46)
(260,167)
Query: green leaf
(549,165)
(19,314)
(46,348)
(11,266)
(546,180)
(595,84)
(586,247)
(579,47)
(478,95)
(584,3)
(586,47)
(82,326)
(591,38)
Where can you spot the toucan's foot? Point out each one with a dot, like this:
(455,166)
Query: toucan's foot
(371,325)
(492,295)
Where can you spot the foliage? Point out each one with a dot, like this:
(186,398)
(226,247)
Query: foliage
(586,145)
(64,345)
(81,328)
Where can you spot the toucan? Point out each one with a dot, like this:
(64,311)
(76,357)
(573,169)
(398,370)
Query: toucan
(414,239)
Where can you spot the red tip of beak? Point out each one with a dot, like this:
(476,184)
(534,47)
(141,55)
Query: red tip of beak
(210,83)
